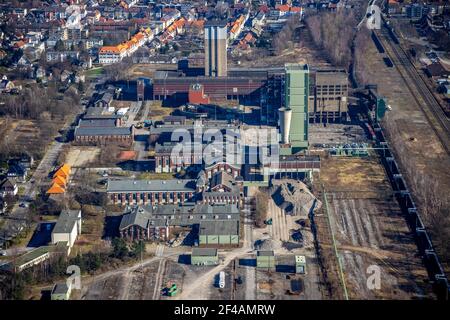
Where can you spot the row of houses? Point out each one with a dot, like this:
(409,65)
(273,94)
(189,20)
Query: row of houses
(114,54)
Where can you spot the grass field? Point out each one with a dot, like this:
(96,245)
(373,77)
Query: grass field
(95,72)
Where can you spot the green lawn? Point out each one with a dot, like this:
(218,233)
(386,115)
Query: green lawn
(95,72)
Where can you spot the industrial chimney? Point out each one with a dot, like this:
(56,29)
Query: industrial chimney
(285,115)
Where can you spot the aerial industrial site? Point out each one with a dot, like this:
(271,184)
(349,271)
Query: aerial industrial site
(224,150)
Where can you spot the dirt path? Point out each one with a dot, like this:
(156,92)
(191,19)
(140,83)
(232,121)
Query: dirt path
(159,278)
(279,229)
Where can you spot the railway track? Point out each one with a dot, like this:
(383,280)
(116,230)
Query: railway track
(418,88)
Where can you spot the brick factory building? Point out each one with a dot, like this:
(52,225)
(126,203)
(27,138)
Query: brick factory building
(129,192)
(155,222)
(328,90)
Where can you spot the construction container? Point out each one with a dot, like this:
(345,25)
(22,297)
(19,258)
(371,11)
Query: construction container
(300,264)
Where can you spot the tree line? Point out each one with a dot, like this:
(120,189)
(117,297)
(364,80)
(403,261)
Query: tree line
(333,33)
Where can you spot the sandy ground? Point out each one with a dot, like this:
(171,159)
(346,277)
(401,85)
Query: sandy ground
(148,70)
(80,156)
(410,120)
(200,282)
(370,231)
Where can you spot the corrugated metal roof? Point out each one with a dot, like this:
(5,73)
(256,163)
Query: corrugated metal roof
(103,131)
(204,252)
(151,185)
(220,228)
(66,221)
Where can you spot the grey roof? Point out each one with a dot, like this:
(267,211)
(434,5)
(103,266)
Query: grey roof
(204,252)
(174,118)
(178,215)
(135,217)
(208,194)
(181,185)
(219,228)
(201,181)
(92,123)
(7,185)
(99,113)
(107,97)
(32,255)
(102,131)
(166,147)
(206,125)
(265,253)
(60,288)
(222,178)
(66,221)
(216,23)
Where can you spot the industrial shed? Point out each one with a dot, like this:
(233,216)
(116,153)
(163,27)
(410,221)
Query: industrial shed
(61,291)
(204,257)
(219,233)
(265,260)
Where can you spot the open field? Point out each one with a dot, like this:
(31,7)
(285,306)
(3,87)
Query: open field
(334,134)
(273,285)
(409,119)
(94,72)
(92,231)
(369,230)
(412,127)
(27,135)
(80,156)
(148,70)
(302,51)
(156,111)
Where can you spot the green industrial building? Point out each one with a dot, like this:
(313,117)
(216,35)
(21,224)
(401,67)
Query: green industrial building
(300,264)
(61,291)
(219,233)
(204,257)
(265,260)
(294,116)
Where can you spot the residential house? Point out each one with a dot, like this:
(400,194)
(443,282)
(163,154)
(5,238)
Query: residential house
(17,172)
(8,188)
(66,76)
(3,206)
(437,70)
(6,85)
(61,56)
(447,90)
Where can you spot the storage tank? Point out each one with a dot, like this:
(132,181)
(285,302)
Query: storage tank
(222,279)
(285,116)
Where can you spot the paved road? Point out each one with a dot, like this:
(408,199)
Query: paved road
(133,111)
(250,271)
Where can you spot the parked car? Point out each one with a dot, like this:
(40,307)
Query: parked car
(24,205)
